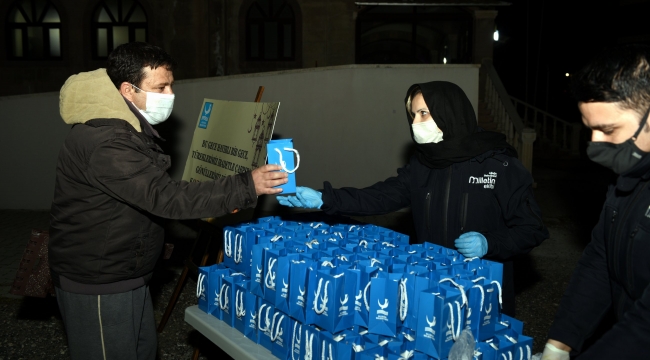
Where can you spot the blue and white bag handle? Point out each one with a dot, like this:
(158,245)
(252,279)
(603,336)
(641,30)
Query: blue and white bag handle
(404,300)
(269,278)
(460,287)
(323,352)
(200,285)
(284,164)
(455,333)
(293,340)
(323,299)
(238,248)
(223,304)
(228,243)
(278,330)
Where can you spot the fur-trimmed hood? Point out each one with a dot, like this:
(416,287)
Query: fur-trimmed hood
(92,95)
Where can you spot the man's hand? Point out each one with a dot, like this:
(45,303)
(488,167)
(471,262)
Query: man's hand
(267,177)
(555,350)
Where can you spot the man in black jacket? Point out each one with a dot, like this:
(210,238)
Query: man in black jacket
(112,191)
(613,274)
(465,186)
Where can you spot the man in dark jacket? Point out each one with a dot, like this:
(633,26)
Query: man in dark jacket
(465,186)
(112,192)
(613,274)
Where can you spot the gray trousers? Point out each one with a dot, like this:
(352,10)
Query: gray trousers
(116,326)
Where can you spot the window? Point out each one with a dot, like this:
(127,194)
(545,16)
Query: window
(270,31)
(116,22)
(413,35)
(33,31)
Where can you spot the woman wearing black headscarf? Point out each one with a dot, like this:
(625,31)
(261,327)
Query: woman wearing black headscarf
(465,186)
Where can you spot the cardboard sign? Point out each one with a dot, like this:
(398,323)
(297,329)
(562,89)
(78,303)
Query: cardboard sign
(230,138)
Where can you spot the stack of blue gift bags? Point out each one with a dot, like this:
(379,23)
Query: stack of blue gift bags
(318,291)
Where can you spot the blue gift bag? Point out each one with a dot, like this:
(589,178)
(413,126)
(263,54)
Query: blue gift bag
(299,272)
(362,293)
(441,319)
(241,305)
(327,301)
(491,310)
(507,346)
(295,338)
(226,300)
(524,347)
(207,287)
(511,323)
(383,312)
(411,286)
(334,347)
(280,152)
(257,273)
(282,281)
(265,314)
(310,343)
(281,335)
(232,246)
(271,257)
(251,303)
(485,351)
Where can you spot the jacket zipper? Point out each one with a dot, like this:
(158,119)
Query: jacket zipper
(428,212)
(628,260)
(530,208)
(463,211)
(616,232)
(446,208)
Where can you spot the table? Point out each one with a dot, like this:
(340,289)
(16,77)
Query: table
(229,339)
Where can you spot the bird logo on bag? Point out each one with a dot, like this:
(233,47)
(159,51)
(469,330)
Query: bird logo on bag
(382,313)
(343,310)
(430,329)
(357,301)
(486,319)
(285,288)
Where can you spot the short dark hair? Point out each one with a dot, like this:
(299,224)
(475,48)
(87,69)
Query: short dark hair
(619,74)
(127,62)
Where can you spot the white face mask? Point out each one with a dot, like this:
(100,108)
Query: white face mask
(158,106)
(426,132)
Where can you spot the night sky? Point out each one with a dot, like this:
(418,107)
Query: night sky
(572,32)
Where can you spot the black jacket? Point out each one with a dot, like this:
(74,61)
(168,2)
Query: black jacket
(467,182)
(112,192)
(490,194)
(613,274)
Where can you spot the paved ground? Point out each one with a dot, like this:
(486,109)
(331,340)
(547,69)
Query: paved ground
(570,194)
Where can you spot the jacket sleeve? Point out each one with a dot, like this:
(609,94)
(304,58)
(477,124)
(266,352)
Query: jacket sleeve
(628,338)
(524,228)
(383,197)
(588,298)
(127,173)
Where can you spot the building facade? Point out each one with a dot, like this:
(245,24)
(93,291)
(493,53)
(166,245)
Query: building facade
(46,41)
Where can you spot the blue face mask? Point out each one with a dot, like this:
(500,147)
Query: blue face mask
(618,157)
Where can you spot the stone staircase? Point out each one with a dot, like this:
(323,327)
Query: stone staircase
(542,148)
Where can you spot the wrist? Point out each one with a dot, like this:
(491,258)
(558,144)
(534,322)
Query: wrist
(557,346)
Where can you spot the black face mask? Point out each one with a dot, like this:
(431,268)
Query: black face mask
(618,157)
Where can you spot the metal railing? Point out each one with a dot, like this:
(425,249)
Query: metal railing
(550,128)
(506,117)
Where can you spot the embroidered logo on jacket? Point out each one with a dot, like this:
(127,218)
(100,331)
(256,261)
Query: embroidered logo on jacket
(488,180)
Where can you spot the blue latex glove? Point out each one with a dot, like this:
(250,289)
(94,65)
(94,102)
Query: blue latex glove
(305,198)
(472,244)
